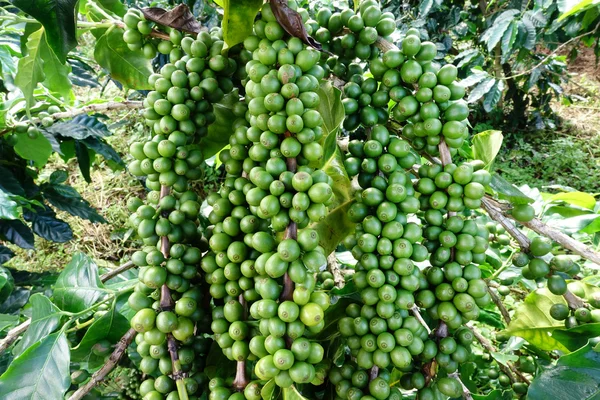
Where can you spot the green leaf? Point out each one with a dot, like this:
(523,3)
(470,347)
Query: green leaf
(486,146)
(41,372)
(7,282)
(7,65)
(15,231)
(571,7)
(494,395)
(335,226)
(330,107)
(238,19)
(220,130)
(494,34)
(9,209)
(37,150)
(493,96)
(58,18)
(84,160)
(42,65)
(508,40)
(10,183)
(575,376)
(292,393)
(45,224)
(481,89)
(269,390)
(533,322)
(67,199)
(79,285)
(128,67)
(508,191)
(504,358)
(579,199)
(7,321)
(111,326)
(577,337)
(45,319)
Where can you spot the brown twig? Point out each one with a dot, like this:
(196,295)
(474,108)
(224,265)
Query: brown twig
(415,310)
(111,274)
(509,369)
(498,302)
(334,267)
(112,362)
(466,392)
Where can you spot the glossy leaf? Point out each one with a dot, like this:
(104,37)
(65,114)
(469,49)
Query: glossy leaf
(507,191)
(16,232)
(269,390)
(8,321)
(128,67)
(493,35)
(5,254)
(41,372)
(486,146)
(577,337)
(45,319)
(335,226)
(574,377)
(59,20)
(481,89)
(493,96)
(10,183)
(292,393)
(7,283)
(45,224)
(84,160)
(67,199)
(9,209)
(238,19)
(78,286)
(220,131)
(508,40)
(81,127)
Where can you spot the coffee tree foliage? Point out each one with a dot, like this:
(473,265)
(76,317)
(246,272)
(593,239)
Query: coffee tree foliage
(358,247)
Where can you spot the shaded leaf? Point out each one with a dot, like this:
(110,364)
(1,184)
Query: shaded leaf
(8,321)
(128,67)
(494,33)
(508,191)
(45,224)
(41,372)
(180,18)
(5,254)
(104,149)
(45,319)
(291,21)
(78,286)
(574,377)
(481,89)
(17,299)
(220,130)
(577,337)
(9,182)
(508,40)
(83,160)
(16,232)
(493,96)
(81,127)
(59,20)
(330,107)
(67,199)
(335,226)
(58,176)
(531,34)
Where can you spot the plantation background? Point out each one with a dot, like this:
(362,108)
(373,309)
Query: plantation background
(533,86)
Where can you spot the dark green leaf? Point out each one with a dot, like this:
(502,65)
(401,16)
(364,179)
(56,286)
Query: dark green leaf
(9,182)
(79,285)
(5,254)
(574,377)
(7,65)
(507,191)
(530,32)
(9,209)
(58,18)
(7,283)
(111,326)
(494,34)
(220,131)
(577,337)
(491,318)
(486,146)
(128,67)
(67,199)
(83,160)
(41,372)
(17,299)
(58,177)
(16,232)
(37,150)
(81,127)
(45,319)
(508,40)
(104,149)
(45,224)
(335,226)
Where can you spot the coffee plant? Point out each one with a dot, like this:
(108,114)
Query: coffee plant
(358,246)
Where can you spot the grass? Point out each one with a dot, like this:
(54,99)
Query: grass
(567,156)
